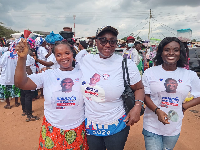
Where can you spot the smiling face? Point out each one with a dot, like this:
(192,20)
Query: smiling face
(171,86)
(171,53)
(64,57)
(107,50)
(67,84)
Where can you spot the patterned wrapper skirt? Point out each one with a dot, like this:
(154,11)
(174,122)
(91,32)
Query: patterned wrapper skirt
(59,139)
(7,91)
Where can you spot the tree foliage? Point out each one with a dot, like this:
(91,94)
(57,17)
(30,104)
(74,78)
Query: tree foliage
(5,31)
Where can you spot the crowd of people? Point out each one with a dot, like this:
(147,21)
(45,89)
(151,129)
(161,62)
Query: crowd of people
(82,83)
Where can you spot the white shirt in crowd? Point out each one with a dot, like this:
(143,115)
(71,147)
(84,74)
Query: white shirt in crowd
(52,59)
(41,53)
(103,103)
(64,115)
(30,61)
(171,103)
(132,54)
(8,66)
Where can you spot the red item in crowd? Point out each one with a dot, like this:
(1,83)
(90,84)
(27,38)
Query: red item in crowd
(27,33)
(130,38)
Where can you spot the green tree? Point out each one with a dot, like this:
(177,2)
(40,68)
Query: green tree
(139,38)
(124,38)
(5,31)
(194,40)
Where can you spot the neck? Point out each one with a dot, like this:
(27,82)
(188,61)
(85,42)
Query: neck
(169,67)
(66,69)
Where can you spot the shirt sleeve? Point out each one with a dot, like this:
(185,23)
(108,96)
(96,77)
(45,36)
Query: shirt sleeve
(38,79)
(146,83)
(195,84)
(133,71)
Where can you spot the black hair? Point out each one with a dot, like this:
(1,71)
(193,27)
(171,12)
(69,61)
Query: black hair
(65,42)
(84,44)
(167,80)
(158,59)
(103,32)
(136,43)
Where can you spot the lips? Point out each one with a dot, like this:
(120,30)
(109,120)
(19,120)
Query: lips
(171,58)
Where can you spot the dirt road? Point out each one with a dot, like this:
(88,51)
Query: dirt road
(16,134)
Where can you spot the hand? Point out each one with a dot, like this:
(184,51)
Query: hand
(133,116)
(162,116)
(22,48)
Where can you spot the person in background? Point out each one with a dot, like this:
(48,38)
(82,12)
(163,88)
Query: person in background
(28,95)
(82,45)
(63,124)
(166,86)
(92,49)
(107,124)
(8,64)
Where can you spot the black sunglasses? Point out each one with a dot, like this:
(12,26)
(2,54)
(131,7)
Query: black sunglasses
(104,41)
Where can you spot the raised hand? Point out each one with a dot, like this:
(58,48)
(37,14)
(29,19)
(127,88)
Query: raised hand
(22,48)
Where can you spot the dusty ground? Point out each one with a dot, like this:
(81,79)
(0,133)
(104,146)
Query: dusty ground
(16,134)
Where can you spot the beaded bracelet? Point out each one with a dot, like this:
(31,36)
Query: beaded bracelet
(140,101)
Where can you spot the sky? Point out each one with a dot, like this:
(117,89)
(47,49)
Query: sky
(130,17)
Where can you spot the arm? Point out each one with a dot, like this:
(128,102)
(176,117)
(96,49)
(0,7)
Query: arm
(134,114)
(191,103)
(49,53)
(45,63)
(162,116)
(21,79)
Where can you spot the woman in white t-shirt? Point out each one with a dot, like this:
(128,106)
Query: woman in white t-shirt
(102,87)
(63,123)
(166,87)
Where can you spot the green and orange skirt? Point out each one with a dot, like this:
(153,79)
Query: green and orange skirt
(59,139)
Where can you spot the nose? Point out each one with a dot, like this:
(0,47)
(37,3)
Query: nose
(171,52)
(108,44)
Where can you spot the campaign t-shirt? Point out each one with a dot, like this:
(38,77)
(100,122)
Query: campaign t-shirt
(168,90)
(63,105)
(103,85)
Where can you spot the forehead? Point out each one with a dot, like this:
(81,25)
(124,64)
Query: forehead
(62,47)
(172,44)
(171,80)
(131,40)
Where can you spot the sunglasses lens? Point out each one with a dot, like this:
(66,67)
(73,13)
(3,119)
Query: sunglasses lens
(103,42)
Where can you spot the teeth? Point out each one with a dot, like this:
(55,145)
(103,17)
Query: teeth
(171,57)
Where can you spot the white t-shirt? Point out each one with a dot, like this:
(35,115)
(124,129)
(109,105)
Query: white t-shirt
(132,53)
(41,53)
(52,58)
(30,61)
(155,84)
(103,103)
(8,66)
(3,50)
(61,116)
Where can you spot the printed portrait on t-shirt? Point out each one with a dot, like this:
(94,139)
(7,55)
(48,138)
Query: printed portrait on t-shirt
(92,91)
(66,96)
(170,98)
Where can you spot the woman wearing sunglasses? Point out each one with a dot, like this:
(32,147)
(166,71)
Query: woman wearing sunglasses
(107,124)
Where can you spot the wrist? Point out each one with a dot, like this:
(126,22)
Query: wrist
(157,108)
(142,102)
